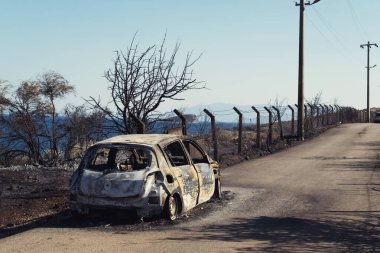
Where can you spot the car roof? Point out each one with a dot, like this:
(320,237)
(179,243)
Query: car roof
(146,139)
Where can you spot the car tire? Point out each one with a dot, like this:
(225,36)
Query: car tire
(77,216)
(218,189)
(171,209)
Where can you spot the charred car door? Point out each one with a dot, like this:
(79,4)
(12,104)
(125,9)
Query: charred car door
(184,172)
(201,163)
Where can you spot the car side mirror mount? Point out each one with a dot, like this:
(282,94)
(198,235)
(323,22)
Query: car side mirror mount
(214,164)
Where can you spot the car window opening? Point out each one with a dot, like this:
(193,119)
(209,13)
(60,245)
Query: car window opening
(176,154)
(120,158)
(197,156)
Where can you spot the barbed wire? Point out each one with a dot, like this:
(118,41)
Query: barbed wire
(220,111)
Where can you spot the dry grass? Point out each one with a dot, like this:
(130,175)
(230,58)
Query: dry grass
(228,141)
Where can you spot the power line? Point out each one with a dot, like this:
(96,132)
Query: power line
(324,35)
(338,38)
(359,26)
(330,28)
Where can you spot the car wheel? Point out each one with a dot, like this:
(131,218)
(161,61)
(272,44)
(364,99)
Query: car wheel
(218,189)
(171,209)
(77,216)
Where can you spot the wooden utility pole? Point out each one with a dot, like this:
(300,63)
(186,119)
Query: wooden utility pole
(368,45)
(300,111)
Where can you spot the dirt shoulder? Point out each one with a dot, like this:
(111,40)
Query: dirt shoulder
(29,193)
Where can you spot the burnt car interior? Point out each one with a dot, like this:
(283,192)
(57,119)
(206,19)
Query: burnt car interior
(120,158)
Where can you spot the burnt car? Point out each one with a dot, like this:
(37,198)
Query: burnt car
(151,174)
(377,118)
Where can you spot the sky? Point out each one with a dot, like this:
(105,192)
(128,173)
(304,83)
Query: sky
(249,47)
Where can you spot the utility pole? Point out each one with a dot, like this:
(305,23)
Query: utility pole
(300,111)
(368,45)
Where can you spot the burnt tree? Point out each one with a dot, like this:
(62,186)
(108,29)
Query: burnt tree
(54,86)
(140,81)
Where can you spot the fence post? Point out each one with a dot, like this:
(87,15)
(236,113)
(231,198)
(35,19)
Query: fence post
(183,121)
(362,116)
(337,111)
(213,130)
(292,126)
(240,127)
(357,114)
(341,114)
(279,122)
(341,120)
(318,118)
(269,126)
(306,119)
(327,115)
(311,115)
(258,137)
(322,115)
(352,115)
(140,124)
(332,114)
(345,116)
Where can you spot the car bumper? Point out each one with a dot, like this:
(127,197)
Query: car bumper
(144,207)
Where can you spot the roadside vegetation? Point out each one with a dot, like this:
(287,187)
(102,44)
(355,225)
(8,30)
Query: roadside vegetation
(31,129)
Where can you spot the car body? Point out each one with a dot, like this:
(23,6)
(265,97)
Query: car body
(377,118)
(151,174)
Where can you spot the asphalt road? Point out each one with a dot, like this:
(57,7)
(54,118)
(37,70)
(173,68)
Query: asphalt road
(320,196)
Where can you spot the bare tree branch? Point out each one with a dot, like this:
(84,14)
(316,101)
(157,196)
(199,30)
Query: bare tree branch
(140,81)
